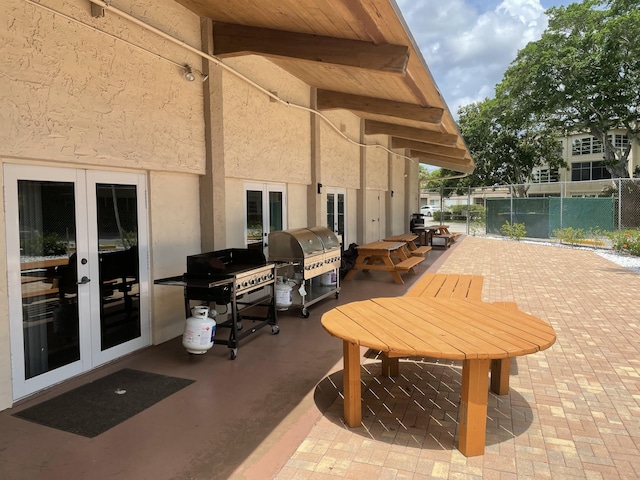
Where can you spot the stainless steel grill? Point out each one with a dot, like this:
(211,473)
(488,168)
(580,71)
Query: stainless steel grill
(310,258)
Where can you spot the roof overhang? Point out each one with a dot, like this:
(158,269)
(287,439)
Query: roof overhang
(360,56)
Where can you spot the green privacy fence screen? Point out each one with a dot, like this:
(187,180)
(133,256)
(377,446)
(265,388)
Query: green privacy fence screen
(541,216)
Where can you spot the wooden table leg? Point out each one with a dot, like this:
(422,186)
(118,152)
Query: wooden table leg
(473,406)
(390,366)
(392,270)
(500,368)
(351,384)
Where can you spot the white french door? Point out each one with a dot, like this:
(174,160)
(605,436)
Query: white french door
(265,212)
(337,212)
(77,248)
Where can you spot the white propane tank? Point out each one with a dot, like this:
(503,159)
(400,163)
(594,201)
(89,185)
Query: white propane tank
(199,330)
(329,279)
(284,295)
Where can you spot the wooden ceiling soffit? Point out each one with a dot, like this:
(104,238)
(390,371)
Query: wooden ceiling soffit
(329,100)
(465,165)
(428,148)
(231,40)
(373,127)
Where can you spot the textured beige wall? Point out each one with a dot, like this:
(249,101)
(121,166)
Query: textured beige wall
(340,159)
(377,174)
(398,220)
(235,212)
(264,140)
(175,219)
(72,94)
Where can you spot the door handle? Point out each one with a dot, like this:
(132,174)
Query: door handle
(84,280)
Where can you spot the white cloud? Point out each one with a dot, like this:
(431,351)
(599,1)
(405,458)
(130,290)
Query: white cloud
(468,50)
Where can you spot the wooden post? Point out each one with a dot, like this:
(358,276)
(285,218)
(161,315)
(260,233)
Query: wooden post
(390,366)
(473,406)
(500,368)
(351,384)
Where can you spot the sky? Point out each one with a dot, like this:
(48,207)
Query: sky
(468,44)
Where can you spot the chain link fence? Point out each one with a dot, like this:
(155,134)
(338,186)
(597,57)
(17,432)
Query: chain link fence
(545,209)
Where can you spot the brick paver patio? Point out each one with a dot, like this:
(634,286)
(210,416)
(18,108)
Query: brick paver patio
(572,410)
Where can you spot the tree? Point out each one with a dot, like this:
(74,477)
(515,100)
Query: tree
(583,75)
(505,148)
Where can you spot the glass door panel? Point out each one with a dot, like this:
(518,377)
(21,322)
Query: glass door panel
(117,224)
(336,211)
(254,219)
(48,275)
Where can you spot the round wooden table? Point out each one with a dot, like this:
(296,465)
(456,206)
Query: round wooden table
(474,332)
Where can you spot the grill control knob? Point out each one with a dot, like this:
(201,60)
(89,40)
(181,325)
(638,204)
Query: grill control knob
(238,286)
(245,284)
(270,276)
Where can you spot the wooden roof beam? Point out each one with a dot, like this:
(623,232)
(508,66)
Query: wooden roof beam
(464,165)
(329,100)
(428,147)
(231,40)
(373,127)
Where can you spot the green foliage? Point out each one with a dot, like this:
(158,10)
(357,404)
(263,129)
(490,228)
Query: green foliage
(627,241)
(583,75)
(506,149)
(570,235)
(37,244)
(515,231)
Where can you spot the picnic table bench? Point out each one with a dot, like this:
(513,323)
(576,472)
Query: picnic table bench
(392,257)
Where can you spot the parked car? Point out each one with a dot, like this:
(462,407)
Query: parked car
(429,210)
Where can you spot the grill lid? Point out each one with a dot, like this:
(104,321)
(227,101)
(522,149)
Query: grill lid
(294,244)
(328,237)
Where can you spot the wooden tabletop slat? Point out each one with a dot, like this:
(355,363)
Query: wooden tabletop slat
(498,328)
(398,340)
(455,333)
(341,326)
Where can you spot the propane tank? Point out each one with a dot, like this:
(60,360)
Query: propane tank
(329,279)
(284,296)
(199,330)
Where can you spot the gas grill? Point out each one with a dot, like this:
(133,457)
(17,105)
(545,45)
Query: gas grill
(239,278)
(308,258)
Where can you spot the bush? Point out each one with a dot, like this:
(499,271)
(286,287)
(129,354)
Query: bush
(514,231)
(569,235)
(37,244)
(627,241)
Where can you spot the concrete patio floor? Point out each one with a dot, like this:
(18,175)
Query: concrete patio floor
(275,412)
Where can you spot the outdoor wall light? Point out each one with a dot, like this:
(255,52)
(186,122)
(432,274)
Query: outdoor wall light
(189,76)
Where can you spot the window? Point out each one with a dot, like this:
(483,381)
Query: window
(586,146)
(544,175)
(588,171)
(591,145)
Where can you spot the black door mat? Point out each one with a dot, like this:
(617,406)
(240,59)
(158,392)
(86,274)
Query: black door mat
(96,407)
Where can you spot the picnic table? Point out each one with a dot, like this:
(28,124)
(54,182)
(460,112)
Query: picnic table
(392,257)
(472,331)
(442,231)
(409,239)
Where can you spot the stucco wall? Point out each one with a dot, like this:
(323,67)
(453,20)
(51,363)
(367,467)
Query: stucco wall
(377,173)
(340,159)
(5,350)
(265,140)
(175,219)
(70,93)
